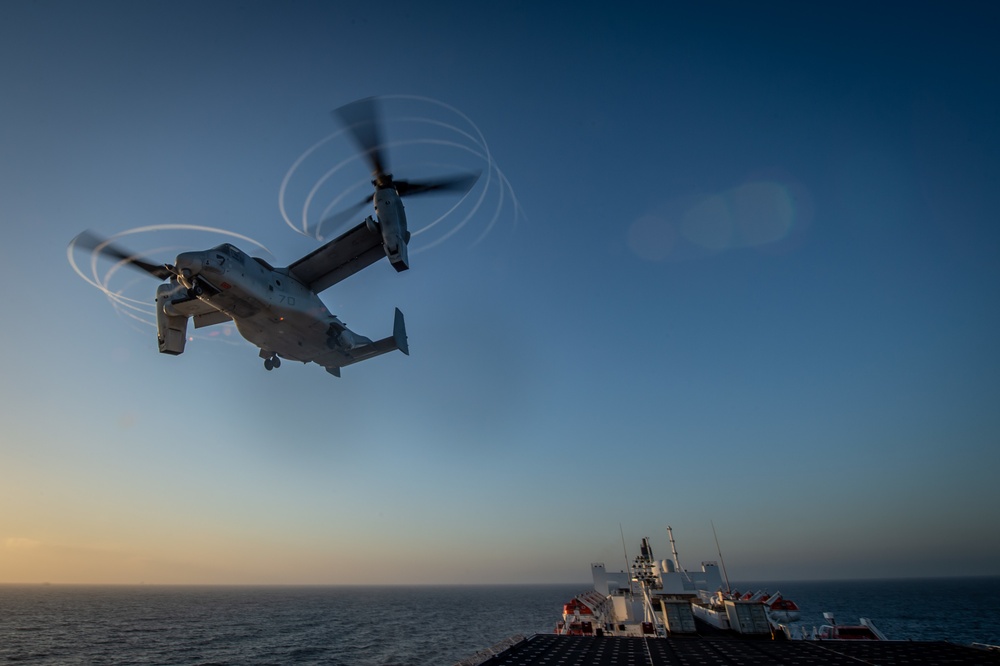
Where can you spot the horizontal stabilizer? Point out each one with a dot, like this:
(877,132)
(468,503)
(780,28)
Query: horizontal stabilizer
(335,360)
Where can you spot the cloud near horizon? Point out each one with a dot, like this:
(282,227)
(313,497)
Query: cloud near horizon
(21,543)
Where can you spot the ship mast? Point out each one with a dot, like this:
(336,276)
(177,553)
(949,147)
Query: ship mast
(673,548)
(646,573)
(719,548)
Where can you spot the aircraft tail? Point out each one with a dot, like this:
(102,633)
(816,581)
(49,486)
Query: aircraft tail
(395,341)
(399,333)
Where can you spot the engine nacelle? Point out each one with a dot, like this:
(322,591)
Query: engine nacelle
(392,224)
(171,326)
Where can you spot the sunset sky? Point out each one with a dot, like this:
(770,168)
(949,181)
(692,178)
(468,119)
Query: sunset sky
(730,263)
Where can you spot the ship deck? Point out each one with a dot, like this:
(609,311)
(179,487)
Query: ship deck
(726,651)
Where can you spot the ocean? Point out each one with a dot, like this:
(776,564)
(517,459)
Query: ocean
(401,626)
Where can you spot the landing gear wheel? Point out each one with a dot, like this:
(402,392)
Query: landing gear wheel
(276,361)
(268,364)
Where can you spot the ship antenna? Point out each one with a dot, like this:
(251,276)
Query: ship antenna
(673,548)
(628,571)
(719,548)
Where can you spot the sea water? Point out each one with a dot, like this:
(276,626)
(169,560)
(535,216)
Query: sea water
(404,626)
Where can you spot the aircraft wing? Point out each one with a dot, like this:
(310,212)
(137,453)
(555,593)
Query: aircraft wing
(200,312)
(341,258)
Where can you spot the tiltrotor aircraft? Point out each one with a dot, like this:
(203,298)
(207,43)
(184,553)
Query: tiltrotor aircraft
(278,309)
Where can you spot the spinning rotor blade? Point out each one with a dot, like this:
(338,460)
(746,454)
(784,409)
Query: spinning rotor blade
(361,118)
(404,188)
(91,241)
(454,184)
(335,221)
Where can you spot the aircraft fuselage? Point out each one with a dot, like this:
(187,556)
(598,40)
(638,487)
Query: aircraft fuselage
(269,306)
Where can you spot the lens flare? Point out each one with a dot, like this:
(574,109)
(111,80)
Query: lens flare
(754,214)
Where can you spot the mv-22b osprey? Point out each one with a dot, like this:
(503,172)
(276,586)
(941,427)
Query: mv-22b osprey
(278,309)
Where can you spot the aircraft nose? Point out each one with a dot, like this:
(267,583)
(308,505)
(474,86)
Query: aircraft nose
(189,263)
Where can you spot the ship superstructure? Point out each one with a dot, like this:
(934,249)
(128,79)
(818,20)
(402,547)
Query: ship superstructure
(659,598)
(658,613)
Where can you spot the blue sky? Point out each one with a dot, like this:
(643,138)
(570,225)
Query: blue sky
(751,280)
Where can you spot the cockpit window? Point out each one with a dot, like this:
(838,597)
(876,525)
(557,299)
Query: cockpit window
(230,251)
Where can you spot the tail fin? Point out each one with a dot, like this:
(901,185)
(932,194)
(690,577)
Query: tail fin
(399,333)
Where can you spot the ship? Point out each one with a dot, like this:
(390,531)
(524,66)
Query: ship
(657,613)
(661,598)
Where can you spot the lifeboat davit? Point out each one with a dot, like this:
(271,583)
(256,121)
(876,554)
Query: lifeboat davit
(782,610)
(578,619)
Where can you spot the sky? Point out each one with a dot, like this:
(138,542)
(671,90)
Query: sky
(728,264)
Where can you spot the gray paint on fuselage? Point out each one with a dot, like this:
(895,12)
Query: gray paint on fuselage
(270,307)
